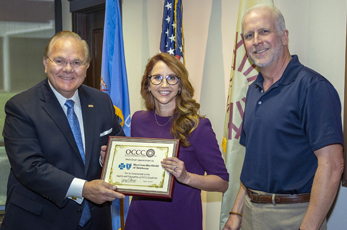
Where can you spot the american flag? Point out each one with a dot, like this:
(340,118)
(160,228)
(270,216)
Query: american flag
(172,30)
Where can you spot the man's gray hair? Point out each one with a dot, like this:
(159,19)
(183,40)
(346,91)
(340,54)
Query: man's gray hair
(66,34)
(278,16)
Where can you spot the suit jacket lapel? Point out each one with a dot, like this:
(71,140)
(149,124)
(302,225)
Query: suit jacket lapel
(88,114)
(53,109)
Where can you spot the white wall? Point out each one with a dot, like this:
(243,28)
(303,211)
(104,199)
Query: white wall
(317,34)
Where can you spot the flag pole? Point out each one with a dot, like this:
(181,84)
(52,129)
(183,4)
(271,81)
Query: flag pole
(121,204)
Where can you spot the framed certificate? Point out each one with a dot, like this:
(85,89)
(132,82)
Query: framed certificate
(133,165)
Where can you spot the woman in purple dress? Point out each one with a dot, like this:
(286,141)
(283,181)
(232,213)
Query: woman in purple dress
(173,113)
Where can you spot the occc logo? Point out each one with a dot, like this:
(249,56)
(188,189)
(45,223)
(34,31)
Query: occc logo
(150,152)
(135,152)
(138,152)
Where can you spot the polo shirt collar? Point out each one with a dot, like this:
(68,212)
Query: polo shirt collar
(289,74)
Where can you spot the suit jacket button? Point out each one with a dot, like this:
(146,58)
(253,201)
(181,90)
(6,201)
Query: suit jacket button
(79,211)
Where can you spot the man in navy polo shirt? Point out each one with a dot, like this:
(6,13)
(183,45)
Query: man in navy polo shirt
(292,132)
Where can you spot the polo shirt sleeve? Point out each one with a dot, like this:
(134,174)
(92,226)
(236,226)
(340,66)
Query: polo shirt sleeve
(322,115)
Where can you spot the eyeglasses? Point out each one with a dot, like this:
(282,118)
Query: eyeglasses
(63,63)
(158,79)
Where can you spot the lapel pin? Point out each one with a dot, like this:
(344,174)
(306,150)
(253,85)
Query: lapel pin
(90,106)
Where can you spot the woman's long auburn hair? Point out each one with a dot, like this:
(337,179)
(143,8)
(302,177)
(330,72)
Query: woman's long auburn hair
(185,117)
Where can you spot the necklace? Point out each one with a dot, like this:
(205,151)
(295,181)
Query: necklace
(155,117)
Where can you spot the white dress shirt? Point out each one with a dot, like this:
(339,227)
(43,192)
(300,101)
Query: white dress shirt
(75,190)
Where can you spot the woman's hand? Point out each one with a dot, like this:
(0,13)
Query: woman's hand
(176,167)
(204,182)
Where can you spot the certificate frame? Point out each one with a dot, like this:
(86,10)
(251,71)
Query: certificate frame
(133,165)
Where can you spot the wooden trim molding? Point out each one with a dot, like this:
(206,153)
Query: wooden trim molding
(77,5)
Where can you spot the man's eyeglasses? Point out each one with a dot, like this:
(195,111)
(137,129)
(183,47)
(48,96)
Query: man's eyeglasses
(158,79)
(63,63)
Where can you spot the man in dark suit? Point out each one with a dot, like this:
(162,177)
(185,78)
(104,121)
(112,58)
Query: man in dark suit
(54,179)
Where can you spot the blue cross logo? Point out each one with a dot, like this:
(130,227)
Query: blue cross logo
(121,166)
